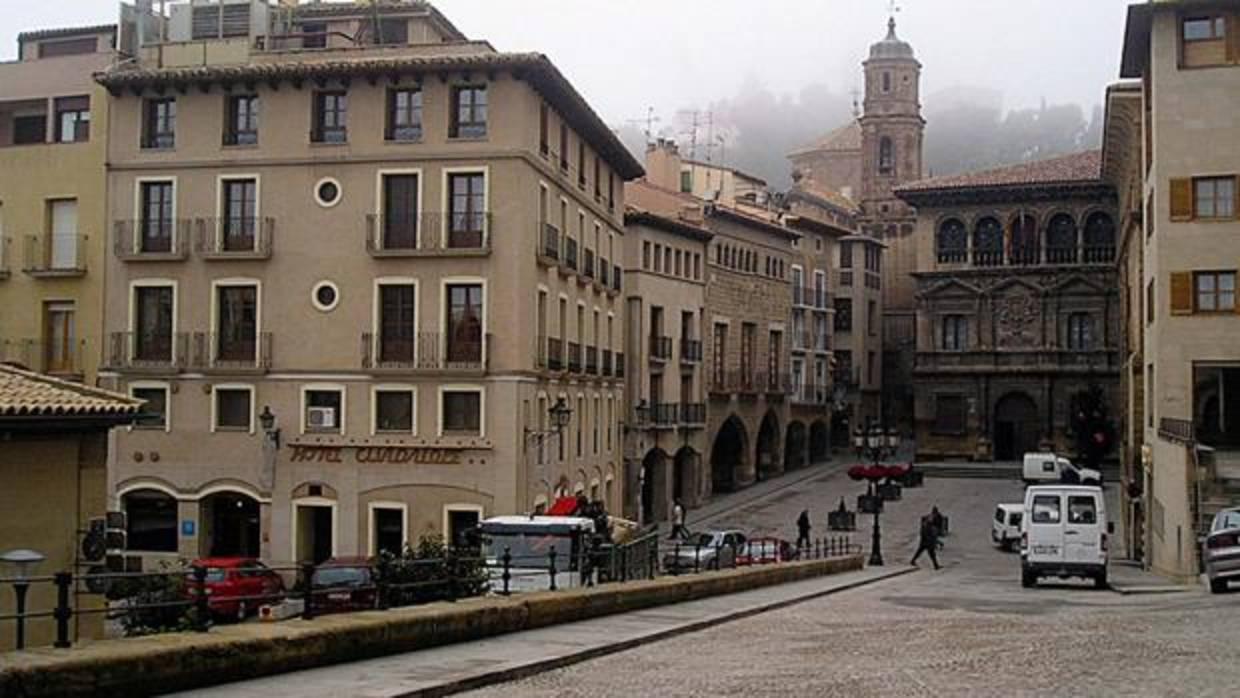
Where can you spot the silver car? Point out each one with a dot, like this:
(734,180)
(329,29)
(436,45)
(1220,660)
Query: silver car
(1221,549)
(708,550)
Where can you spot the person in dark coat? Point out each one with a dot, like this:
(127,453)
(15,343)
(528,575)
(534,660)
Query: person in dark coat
(929,541)
(803,528)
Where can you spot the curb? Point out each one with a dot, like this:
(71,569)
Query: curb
(500,676)
(1140,590)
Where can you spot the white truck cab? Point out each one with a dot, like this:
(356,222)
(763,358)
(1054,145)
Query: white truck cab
(523,545)
(1050,468)
(1064,534)
(1005,525)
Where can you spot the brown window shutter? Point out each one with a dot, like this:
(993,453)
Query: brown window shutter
(1182,293)
(1181,199)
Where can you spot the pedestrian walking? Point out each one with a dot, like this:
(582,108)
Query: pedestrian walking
(803,529)
(928,542)
(679,532)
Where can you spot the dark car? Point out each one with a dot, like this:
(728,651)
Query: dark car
(237,586)
(344,584)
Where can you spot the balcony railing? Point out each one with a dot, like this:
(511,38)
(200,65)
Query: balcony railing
(987,258)
(164,240)
(604,273)
(1024,256)
(953,256)
(1099,255)
(1178,430)
(774,382)
(607,365)
(570,253)
(55,255)
(574,357)
(734,381)
(660,348)
(424,351)
(690,351)
(615,278)
(801,340)
(212,350)
(809,297)
(555,354)
(147,350)
(428,234)
(665,414)
(592,361)
(1028,256)
(549,242)
(56,358)
(587,263)
(692,413)
(811,394)
(235,238)
(619,364)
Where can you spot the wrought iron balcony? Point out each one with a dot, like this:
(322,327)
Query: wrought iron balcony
(59,358)
(424,351)
(149,351)
(55,255)
(151,240)
(665,415)
(592,361)
(574,357)
(548,243)
(555,354)
(809,297)
(810,393)
(660,348)
(587,263)
(570,254)
(692,414)
(604,273)
(615,278)
(230,352)
(690,351)
(235,238)
(428,234)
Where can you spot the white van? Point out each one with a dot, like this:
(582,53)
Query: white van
(1064,534)
(1005,527)
(1048,467)
(527,541)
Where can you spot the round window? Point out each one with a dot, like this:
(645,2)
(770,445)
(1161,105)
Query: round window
(327,192)
(325,296)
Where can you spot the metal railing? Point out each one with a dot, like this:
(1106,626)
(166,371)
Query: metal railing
(691,351)
(592,361)
(607,367)
(574,357)
(555,354)
(428,233)
(811,394)
(693,413)
(147,350)
(809,297)
(665,414)
(212,350)
(588,267)
(55,255)
(235,238)
(549,242)
(660,348)
(615,278)
(424,351)
(134,240)
(620,364)
(570,253)
(682,557)
(604,273)
(734,381)
(1177,430)
(44,357)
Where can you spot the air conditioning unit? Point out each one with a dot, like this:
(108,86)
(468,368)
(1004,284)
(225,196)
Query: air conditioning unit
(322,417)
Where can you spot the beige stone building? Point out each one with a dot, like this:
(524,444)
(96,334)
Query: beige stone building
(54,468)
(1017,314)
(1173,153)
(357,260)
(53,122)
(665,291)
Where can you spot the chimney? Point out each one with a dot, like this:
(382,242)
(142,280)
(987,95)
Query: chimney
(663,164)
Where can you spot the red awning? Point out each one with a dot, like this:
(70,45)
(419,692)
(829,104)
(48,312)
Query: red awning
(564,506)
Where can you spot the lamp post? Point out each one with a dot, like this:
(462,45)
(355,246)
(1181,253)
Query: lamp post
(24,563)
(875,444)
(558,417)
(271,446)
(642,413)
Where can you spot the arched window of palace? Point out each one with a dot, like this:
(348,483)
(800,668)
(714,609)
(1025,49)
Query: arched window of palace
(988,242)
(1099,238)
(1061,240)
(953,242)
(886,156)
(1024,247)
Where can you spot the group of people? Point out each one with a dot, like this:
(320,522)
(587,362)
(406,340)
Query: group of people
(929,541)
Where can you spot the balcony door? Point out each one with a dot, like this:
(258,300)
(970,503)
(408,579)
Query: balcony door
(466,197)
(61,341)
(156,222)
(400,212)
(64,244)
(153,323)
(240,215)
(396,323)
(237,323)
(464,314)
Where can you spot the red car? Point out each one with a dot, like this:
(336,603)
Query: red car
(765,551)
(237,586)
(344,584)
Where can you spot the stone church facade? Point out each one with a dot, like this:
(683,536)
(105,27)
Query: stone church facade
(1016,306)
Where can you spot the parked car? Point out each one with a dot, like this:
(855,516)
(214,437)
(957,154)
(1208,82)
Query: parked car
(237,586)
(344,584)
(708,550)
(1049,468)
(765,551)
(1064,534)
(1221,549)
(1005,528)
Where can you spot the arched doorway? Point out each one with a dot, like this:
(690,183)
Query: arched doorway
(767,454)
(819,442)
(727,455)
(795,446)
(654,486)
(1017,426)
(684,476)
(230,525)
(151,520)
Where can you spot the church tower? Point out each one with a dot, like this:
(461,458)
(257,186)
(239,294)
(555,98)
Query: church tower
(892,129)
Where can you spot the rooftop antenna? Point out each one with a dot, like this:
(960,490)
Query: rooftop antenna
(649,121)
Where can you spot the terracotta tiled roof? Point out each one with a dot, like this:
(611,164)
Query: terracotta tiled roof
(846,137)
(535,68)
(64,32)
(1078,168)
(828,196)
(27,394)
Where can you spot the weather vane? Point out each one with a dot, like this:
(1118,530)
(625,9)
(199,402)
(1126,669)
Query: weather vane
(893,7)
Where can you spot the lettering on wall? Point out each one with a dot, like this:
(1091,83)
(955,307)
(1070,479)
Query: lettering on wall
(365,455)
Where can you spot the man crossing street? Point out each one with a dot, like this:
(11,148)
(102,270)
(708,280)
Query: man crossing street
(929,541)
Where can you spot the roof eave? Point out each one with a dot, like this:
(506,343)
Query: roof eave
(1135,53)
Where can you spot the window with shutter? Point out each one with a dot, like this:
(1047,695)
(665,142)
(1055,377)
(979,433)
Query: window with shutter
(1182,293)
(1182,199)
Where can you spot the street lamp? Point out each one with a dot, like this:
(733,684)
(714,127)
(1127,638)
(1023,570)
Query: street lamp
(24,563)
(875,444)
(268,421)
(559,414)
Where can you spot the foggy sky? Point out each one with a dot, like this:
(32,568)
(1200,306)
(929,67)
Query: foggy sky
(628,55)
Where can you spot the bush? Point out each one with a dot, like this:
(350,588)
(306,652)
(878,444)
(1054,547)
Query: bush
(430,572)
(168,585)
